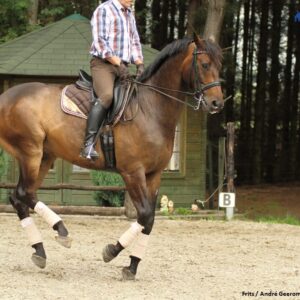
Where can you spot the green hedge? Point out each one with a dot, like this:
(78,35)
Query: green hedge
(3,163)
(108,198)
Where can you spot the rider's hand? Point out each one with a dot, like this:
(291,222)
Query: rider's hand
(139,70)
(123,72)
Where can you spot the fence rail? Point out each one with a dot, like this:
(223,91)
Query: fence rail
(63,186)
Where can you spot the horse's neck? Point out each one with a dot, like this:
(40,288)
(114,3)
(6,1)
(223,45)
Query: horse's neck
(166,109)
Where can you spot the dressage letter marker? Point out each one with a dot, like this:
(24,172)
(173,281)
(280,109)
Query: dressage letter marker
(227,199)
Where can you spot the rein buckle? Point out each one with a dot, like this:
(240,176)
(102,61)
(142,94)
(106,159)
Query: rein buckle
(199,97)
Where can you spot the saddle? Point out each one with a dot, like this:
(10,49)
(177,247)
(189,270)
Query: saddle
(76,99)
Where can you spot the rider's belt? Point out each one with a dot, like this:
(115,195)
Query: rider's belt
(126,63)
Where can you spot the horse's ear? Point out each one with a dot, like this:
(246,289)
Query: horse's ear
(198,41)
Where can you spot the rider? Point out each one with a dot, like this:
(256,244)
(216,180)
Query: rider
(116,43)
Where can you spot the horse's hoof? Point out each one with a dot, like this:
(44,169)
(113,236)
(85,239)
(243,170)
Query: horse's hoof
(127,274)
(39,261)
(64,241)
(107,253)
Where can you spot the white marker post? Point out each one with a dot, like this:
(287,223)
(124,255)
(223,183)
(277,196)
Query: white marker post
(229,197)
(227,200)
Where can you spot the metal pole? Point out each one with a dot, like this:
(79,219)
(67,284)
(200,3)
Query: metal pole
(230,166)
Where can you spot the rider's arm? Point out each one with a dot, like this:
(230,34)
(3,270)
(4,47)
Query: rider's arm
(100,30)
(137,55)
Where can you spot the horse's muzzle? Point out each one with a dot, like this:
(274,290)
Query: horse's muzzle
(212,106)
(216,106)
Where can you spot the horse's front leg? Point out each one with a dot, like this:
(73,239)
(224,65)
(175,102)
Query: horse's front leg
(143,192)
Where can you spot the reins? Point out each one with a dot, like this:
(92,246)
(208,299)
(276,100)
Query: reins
(160,89)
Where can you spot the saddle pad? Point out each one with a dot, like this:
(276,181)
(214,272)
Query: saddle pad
(75,102)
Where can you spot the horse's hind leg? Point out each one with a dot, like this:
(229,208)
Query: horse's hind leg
(28,224)
(32,172)
(143,191)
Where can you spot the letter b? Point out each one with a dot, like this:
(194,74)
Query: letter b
(227,199)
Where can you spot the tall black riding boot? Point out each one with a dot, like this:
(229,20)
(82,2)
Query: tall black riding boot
(95,119)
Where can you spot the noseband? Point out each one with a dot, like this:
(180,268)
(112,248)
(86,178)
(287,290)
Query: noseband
(200,87)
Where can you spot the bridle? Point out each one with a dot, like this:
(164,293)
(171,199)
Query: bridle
(198,94)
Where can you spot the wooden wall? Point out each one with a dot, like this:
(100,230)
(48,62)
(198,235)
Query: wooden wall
(190,184)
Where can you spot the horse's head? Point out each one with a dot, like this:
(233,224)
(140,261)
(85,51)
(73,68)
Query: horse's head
(201,72)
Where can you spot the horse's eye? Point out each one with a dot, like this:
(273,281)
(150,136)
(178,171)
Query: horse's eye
(205,66)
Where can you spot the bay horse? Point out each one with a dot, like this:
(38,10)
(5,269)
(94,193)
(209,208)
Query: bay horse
(35,131)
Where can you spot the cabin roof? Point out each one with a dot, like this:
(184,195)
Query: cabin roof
(58,49)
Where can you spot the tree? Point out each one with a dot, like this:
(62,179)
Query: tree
(33,11)
(274,85)
(229,40)
(13,19)
(172,21)
(260,95)
(243,148)
(141,19)
(181,18)
(214,19)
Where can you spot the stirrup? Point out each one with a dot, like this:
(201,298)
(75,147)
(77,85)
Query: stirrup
(90,149)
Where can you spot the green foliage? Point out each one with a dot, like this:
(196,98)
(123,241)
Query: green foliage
(3,163)
(14,15)
(108,198)
(279,220)
(183,211)
(13,19)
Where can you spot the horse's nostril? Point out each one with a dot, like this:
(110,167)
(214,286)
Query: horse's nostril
(215,104)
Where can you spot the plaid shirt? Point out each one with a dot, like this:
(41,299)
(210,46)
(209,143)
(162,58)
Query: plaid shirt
(115,33)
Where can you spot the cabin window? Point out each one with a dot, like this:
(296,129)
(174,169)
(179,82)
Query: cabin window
(176,163)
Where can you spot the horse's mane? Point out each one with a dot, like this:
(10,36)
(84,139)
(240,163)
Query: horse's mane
(167,52)
(213,50)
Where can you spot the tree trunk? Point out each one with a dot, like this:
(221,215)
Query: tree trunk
(270,155)
(191,14)
(295,151)
(249,86)
(285,106)
(229,40)
(164,24)
(243,146)
(260,96)
(214,20)
(172,21)
(155,12)
(33,12)
(181,18)
(140,15)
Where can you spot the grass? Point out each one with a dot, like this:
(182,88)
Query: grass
(279,220)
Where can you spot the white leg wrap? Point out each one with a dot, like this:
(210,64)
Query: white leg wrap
(131,234)
(46,213)
(31,230)
(140,245)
